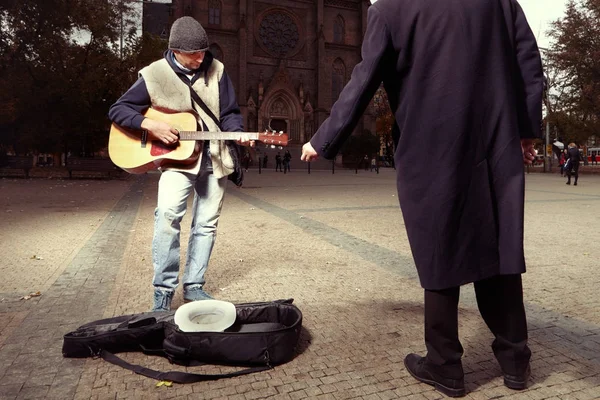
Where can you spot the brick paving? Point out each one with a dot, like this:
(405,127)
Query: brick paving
(334,243)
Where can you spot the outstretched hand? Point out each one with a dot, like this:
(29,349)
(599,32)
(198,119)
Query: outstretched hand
(528,150)
(308,153)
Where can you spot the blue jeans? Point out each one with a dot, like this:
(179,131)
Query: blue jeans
(174,189)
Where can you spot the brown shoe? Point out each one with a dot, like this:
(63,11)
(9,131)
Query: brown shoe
(421,371)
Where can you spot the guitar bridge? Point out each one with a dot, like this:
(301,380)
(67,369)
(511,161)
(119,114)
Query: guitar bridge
(144,139)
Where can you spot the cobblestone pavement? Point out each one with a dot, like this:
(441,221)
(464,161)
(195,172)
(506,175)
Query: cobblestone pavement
(334,243)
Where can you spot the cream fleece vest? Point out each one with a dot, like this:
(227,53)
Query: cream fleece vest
(168,92)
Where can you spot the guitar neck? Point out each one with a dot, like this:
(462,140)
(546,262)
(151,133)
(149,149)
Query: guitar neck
(201,135)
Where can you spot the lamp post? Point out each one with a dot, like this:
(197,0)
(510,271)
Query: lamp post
(547,156)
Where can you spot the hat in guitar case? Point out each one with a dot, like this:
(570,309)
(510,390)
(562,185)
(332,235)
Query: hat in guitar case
(205,316)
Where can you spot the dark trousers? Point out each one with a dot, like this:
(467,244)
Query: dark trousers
(573,172)
(500,302)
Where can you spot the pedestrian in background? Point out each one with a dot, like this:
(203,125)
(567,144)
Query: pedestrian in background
(246,160)
(574,157)
(287,157)
(374,164)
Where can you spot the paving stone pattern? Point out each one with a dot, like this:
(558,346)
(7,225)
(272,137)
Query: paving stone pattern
(31,362)
(335,243)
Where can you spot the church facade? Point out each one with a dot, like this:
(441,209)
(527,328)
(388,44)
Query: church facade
(288,59)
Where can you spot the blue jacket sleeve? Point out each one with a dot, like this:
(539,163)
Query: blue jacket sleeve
(127,111)
(231,117)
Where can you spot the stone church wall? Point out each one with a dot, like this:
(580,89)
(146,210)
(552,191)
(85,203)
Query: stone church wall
(281,64)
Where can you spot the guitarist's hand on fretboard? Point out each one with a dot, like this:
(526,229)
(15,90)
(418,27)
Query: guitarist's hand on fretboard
(159,130)
(244,140)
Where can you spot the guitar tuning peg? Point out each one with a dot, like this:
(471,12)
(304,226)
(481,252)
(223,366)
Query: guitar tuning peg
(272,146)
(280,147)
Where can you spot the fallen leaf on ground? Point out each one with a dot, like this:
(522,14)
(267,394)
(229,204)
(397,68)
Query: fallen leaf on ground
(30,295)
(34,257)
(164,383)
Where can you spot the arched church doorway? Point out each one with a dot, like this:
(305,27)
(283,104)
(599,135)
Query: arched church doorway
(278,124)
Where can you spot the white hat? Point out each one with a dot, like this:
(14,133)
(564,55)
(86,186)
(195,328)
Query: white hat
(205,316)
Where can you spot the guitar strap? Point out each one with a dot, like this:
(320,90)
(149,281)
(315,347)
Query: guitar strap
(237,176)
(199,101)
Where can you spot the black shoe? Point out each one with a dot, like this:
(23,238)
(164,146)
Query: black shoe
(517,382)
(419,369)
(568,183)
(575,184)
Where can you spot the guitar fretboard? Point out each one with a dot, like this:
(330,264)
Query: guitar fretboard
(201,135)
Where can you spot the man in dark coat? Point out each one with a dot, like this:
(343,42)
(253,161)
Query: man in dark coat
(464,80)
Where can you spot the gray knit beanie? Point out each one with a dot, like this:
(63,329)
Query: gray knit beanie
(188,36)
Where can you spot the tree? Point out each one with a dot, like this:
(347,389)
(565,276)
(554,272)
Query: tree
(62,63)
(385,120)
(573,72)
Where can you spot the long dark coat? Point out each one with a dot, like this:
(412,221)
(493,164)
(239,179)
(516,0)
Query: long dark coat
(464,81)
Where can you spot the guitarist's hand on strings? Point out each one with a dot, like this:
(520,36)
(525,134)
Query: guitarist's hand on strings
(160,131)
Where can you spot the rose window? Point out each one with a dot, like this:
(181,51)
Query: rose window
(279,33)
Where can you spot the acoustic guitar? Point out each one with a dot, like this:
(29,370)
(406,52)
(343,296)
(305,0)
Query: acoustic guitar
(131,150)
